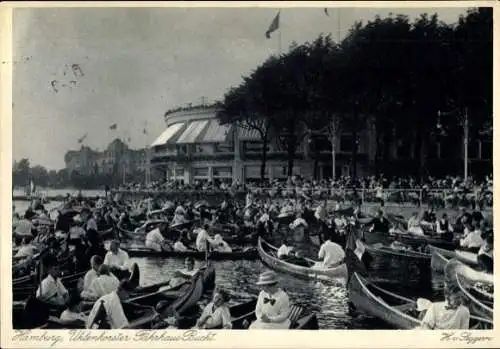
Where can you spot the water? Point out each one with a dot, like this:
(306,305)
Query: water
(239,277)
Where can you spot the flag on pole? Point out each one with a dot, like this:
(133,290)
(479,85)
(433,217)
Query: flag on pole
(80,140)
(326,12)
(275,24)
(113,127)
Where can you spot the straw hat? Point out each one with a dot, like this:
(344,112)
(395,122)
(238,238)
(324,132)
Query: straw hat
(423,304)
(267,278)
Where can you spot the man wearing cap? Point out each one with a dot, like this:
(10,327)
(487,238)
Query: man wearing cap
(273,305)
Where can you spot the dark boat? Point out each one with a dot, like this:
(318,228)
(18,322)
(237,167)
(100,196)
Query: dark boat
(380,250)
(249,253)
(267,253)
(412,240)
(395,310)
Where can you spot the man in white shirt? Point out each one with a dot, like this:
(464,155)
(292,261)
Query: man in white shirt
(102,285)
(116,257)
(203,238)
(331,254)
(273,305)
(25,227)
(27,249)
(155,239)
(284,250)
(107,311)
(219,245)
(183,275)
(472,240)
(51,289)
(91,275)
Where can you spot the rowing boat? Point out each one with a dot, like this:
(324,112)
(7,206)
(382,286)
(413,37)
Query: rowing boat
(408,239)
(237,254)
(440,257)
(380,250)
(267,253)
(139,307)
(479,301)
(395,310)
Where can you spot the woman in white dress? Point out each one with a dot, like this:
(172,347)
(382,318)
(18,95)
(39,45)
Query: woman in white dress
(273,305)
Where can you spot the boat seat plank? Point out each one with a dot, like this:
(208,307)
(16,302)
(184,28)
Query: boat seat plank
(295,313)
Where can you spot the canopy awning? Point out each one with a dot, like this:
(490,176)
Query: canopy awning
(167,134)
(248,134)
(216,133)
(192,132)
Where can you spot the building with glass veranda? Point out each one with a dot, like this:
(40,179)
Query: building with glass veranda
(195,147)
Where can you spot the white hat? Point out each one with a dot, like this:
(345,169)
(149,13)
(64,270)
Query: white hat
(423,304)
(267,278)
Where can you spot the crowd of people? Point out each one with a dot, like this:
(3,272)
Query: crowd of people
(450,191)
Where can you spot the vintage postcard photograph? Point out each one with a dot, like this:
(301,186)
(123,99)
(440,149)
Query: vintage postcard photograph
(196,175)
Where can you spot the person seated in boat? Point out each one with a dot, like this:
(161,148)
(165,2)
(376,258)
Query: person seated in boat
(414,226)
(25,226)
(299,225)
(485,254)
(443,226)
(463,219)
(171,322)
(116,258)
(51,289)
(91,275)
(273,305)
(27,249)
(203,239)
(451,314)
(185,274)
(155,239)
(112,316)
(216,314)
(73,312)
(380,224)
(472,240)
(105,283)
(179,216)
(179,245)
(219,245)
(422,306)
(330,254)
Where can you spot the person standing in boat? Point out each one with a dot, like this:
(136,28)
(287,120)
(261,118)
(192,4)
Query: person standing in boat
(320,215)
(109,309)
(91,275)
(91,233)
(216,314)
(330,254)
(51,289)
(105,283)
(117,259)
(273,305)
(155,239)
(448,315)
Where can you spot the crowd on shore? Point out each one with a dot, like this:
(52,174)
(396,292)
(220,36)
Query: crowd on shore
(441,192)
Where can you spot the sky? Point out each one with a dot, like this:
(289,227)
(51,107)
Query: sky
(133,64)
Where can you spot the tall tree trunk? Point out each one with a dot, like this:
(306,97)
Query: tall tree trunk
(263,159)
(354,152)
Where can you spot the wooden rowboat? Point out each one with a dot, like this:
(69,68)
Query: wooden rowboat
(243,314)
(440,258)
(480,302)
(395,310)
(381,250)
(408,239)
(236,254)
(267,253)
